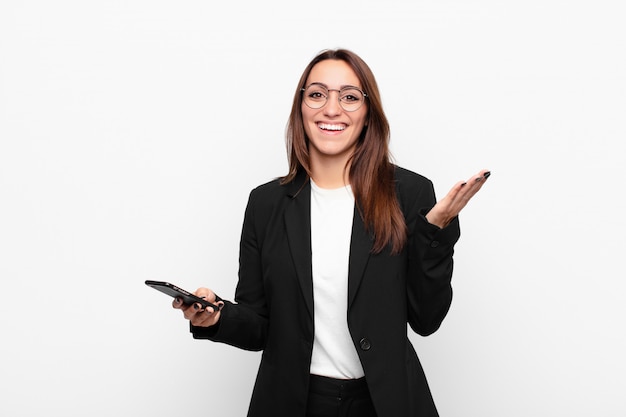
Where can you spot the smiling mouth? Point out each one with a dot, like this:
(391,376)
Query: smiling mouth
(331,127)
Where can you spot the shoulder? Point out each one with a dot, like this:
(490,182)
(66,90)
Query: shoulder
(270,187)
(278,188)
(415,192)
(267,193)
(274,194)
(409,181)
(408,175)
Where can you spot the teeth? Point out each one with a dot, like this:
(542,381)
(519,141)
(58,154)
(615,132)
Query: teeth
(330,127)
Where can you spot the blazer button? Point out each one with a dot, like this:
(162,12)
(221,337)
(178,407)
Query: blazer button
(434,243)
(365,344)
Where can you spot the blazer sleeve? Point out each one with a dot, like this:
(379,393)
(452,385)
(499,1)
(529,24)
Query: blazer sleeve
(429,256)
(244,324)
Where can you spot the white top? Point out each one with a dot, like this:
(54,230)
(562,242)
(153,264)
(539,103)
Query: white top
(332,213)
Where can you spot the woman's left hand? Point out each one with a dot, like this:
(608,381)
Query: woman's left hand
(451,205)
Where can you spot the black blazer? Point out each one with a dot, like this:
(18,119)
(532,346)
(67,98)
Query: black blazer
(274,299)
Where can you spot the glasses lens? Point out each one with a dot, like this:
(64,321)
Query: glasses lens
(351,99)
(315,96)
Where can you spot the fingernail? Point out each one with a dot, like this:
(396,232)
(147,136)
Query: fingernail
(177,300)
(479,179)
(196,307)
(487,174)
(464,184)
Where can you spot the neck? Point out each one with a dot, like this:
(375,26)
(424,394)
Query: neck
(330,173)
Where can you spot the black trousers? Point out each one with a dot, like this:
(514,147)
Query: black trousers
(329,397)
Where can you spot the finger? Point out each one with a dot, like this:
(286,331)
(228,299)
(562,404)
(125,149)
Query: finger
(455,191)
(219,304)
(474,184)
(206,318)
(482,175)
(215,312)
(202,292)
(481,178)
(177,303)
(191,311)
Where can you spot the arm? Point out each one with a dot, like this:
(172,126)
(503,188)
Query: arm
(243,324)
(430,247)
(430,264)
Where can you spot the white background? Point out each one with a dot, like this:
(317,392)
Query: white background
(132,131)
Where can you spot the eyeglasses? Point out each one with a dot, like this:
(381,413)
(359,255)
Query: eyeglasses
(350,98)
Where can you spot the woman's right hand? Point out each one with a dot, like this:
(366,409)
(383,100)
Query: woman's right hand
(195,313)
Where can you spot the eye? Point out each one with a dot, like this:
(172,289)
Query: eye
(351,96)
(316,93)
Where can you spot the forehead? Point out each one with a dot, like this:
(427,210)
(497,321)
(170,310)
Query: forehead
(334,74)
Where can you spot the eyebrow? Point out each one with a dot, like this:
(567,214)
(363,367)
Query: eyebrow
(340,88)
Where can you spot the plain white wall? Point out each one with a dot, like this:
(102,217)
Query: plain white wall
(132,131)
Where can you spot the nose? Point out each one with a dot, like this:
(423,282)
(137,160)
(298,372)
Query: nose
(332,107)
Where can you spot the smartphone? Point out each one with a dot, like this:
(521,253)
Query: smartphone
(187,297)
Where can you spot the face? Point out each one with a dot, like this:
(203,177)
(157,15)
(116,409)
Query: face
(332,131)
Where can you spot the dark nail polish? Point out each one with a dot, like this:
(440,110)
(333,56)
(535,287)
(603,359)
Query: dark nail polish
(464,184)
(479,179)
(487,174)
(196,307)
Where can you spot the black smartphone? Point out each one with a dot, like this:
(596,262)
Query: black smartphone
(187,297)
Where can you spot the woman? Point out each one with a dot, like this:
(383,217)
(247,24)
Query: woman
(336,258)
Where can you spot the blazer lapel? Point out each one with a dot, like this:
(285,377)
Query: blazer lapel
(298,226)
(360,249)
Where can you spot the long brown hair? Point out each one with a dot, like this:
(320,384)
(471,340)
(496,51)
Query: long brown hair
(371,171)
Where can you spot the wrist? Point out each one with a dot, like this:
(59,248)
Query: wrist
(436,220)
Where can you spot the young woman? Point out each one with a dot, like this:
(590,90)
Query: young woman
(336,258)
